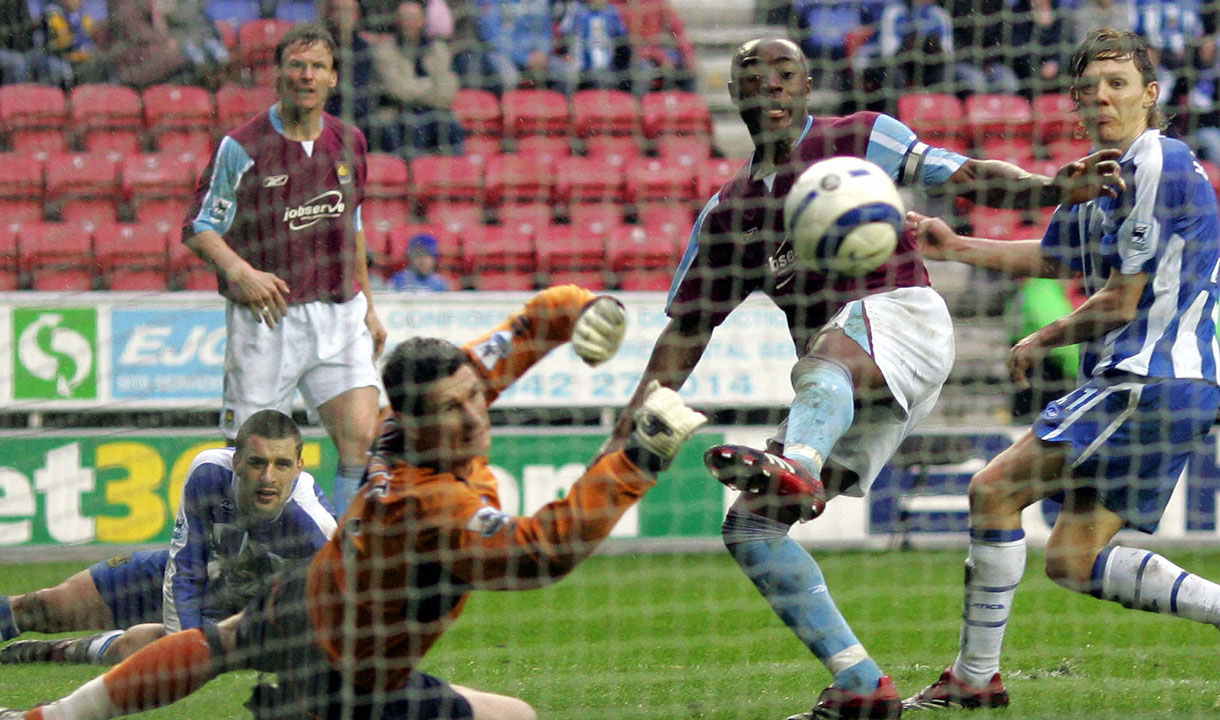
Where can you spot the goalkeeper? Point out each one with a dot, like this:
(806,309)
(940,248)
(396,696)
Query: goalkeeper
(425,529)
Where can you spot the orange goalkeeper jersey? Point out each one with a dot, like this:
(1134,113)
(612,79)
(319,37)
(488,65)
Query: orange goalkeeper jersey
(415,542)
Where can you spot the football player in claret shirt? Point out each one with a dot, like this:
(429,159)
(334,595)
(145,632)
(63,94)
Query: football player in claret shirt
(873,351)
(245,512)
(424,530)
(1112,450)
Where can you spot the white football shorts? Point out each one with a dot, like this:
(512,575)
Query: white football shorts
(321,348)
(909,334)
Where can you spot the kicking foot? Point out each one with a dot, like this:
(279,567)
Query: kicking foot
(949,693)
(883,703)
(768,476)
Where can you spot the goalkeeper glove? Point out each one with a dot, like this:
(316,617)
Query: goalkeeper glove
(662,424)
(599,330)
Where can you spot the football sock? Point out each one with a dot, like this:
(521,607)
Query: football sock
(1143,580)
(347,479)
(791,581)
(160,674)
(822,410)
(99,644)
(8,623)
(993,569)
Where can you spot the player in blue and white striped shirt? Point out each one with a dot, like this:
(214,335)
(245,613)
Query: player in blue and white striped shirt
(1113,449)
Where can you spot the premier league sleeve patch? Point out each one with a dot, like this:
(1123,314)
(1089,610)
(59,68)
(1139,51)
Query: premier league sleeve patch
(495,348)
(488,521)
(218,209)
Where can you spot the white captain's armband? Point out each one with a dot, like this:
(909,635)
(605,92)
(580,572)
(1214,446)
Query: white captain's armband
(908,174)
(488,521)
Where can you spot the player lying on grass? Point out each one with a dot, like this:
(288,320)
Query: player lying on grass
(425,529)
(245,512)
(873,351)
(1111,450)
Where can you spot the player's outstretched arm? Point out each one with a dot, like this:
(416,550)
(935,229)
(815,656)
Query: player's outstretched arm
(938,241)
(997,183)
(662,424)
(674,356)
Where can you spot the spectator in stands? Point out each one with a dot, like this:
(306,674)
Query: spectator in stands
(377,279)
(598,45)
(1092,14)
(16,41)
(519,44)
(72,54)
(420,274)
(822,28)
(137,43)
(416,86)
(982,39)
(199,39)
(1174,30)
(1205,116)
(440,19)
(663,56)
(351,99)
(1041,35)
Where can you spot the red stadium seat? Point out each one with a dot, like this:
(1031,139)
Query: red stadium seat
(179,118)
(504,281)
(10,258)
(713,173)
(604,112)
(675,112)
(228,33)
(236,104)
(484,145)
(479,113)
(536,214)
(641,262)
(107,118)
(444,177)
(1066,149)
(1213,174)
(534,112)
(159,186)
(646,280)
(187,271)
(651,180)
(684,149)
(34,118)
(595,217)
(556,146)
(454,216)
(21,187)
(386,189)
(565,248)
(58,256)
(256,41)
(617,149)
(666,220)
(519,177)
(84,187)
(998,224)
(588,179)
(1001,125)
(938,119)
(492,249)
(1054,117)
(133,257)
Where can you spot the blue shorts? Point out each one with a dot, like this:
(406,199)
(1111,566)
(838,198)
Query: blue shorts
(131,585)
(1130,438)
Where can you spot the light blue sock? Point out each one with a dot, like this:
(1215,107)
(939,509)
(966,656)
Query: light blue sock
(347,480)
(790,579)
(821,412)
(8,625)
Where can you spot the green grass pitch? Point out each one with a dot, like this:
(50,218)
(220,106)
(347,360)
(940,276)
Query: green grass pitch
(680,637)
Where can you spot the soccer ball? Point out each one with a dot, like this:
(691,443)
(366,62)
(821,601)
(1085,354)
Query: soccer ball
(843,215)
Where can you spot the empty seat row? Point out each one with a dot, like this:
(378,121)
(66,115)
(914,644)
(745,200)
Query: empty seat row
(518,113)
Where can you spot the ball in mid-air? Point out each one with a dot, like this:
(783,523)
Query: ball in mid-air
(843,215)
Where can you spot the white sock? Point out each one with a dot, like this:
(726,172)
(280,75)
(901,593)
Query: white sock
(90,701)
(993,569)
(100,643)
(1143,580)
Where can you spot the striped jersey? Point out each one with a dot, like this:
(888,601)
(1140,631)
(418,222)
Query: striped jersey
(1164,224)
(738,244)
(287,207)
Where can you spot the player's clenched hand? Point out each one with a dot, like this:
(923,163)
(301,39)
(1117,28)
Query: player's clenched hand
(1023,358)
(934,236)
(662,424)
(599,330)
(1091,177)
(263,292)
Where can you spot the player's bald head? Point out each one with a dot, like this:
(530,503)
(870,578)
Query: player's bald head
(750,52)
